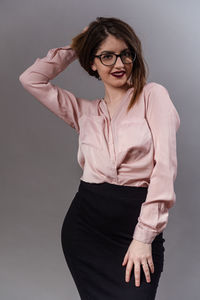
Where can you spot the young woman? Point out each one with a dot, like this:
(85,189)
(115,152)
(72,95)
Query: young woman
(112,234)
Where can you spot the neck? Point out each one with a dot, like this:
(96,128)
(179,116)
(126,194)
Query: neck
(113,94)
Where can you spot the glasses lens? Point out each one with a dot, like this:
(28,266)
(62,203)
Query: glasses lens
(127,57)
(108,59)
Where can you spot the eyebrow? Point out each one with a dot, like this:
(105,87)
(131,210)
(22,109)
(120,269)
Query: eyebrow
(107,51)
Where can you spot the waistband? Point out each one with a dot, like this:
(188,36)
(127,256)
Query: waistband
(107,186)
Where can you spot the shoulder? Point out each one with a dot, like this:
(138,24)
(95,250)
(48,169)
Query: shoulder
(156,96)
(154,87)
(155,93)
(157,99)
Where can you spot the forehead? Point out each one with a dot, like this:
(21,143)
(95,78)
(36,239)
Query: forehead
(111,43)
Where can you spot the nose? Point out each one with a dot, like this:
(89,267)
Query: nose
(119,62)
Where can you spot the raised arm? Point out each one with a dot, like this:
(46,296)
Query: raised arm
(36,80)
(164,122)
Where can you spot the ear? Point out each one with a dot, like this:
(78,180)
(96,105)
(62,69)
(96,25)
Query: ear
(93,67)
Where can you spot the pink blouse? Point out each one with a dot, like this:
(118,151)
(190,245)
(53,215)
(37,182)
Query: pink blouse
(133,149)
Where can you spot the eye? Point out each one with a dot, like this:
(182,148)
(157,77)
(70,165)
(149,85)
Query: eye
(107,56)
(127,54)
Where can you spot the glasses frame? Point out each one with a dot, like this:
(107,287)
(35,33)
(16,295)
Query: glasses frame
(116,57)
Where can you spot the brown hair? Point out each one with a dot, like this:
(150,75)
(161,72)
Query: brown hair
(87,43)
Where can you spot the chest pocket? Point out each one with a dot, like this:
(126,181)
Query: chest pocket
(91,131)
(134,134)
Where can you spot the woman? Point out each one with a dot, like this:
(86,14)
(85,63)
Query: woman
(112,234)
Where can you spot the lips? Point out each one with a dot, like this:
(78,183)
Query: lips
(118,74)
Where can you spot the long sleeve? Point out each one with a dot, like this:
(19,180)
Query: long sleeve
(164,121)
(36,80)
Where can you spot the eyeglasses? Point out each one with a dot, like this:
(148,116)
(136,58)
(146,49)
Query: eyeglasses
(109,59)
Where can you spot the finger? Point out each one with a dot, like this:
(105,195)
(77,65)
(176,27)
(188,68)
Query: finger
(137,273)
(128,270)
(151,264)
(85,28)
(125,259)
(146,271)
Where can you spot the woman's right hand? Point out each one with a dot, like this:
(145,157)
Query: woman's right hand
(138,254)
(85,29)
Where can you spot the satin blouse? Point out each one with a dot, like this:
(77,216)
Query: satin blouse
(137,148)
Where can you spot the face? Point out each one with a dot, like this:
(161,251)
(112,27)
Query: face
(105,72)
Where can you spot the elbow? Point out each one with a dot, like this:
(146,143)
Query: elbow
(22,79)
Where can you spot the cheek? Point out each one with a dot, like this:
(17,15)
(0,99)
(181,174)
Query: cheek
(129,69)
(104,72)
(129,72)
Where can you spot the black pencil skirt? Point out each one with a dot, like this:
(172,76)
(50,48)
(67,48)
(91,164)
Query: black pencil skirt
(96,233)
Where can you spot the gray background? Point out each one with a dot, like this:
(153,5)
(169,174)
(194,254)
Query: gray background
(39,169)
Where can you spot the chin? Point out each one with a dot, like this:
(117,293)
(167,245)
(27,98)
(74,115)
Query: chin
(119,84)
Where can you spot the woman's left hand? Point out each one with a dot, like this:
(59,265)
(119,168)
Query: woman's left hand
(138,253)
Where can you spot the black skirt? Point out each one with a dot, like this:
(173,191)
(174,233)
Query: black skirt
(96,233)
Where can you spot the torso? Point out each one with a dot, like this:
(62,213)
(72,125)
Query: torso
(114,107)
(111,109)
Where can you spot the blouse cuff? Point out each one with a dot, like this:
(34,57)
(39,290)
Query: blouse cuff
(143,235)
